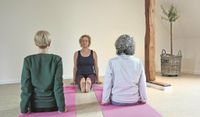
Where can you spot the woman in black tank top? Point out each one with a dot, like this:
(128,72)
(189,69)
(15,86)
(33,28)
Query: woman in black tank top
(85,71)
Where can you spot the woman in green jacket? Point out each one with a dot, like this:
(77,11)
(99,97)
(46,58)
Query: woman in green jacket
(41,79)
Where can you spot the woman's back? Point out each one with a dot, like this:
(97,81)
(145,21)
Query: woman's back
(43,74)
(126,73)
(42,68)
(125,80)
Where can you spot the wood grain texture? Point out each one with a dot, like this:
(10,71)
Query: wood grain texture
(150,40)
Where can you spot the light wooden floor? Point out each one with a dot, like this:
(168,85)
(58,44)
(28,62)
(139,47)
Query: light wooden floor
(182,101)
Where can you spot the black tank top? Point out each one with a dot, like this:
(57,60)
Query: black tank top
(85,65)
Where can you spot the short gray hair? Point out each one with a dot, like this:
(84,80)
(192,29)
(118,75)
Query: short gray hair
(125,45)
(42,39)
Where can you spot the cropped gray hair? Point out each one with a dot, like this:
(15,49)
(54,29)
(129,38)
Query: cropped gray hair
(125,45)
(42,39)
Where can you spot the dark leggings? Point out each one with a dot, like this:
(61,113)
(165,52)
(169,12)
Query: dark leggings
(91,76)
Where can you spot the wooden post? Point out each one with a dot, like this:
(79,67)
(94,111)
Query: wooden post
(150,40)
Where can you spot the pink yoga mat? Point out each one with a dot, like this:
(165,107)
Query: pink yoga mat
(143,110)
(69,92)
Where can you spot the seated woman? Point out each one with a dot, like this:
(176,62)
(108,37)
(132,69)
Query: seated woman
(85,72)
(124,80)
(41,79)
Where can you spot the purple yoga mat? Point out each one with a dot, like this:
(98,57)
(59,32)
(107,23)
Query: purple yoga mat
(143,110)
(69,92)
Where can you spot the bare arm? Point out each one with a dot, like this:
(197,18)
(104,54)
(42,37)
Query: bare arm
(75,67)
(96,67)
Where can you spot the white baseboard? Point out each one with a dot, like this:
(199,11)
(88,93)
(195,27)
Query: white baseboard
(9,81)
(66,77)
(2,82)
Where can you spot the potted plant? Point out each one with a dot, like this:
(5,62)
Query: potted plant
(170,63)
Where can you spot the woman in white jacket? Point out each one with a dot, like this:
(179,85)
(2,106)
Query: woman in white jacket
(124,80)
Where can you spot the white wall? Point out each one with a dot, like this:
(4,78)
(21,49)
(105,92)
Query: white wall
(104,20)
(66,20)
(186,33)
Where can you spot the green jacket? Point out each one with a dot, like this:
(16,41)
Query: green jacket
(42,83)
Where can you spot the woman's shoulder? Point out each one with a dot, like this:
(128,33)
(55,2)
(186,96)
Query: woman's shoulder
(46,55)
(93,51)
(126,58)
(136,60)
(30,56)
(113,59)
(56,57)
(76,52)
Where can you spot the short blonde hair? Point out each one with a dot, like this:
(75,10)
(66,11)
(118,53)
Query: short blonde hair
(42,39)
(87,36)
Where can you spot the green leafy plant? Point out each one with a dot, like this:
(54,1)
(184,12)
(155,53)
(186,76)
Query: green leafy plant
(171,15)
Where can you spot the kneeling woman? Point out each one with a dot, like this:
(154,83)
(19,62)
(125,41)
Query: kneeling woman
(85,65)
(124,80)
